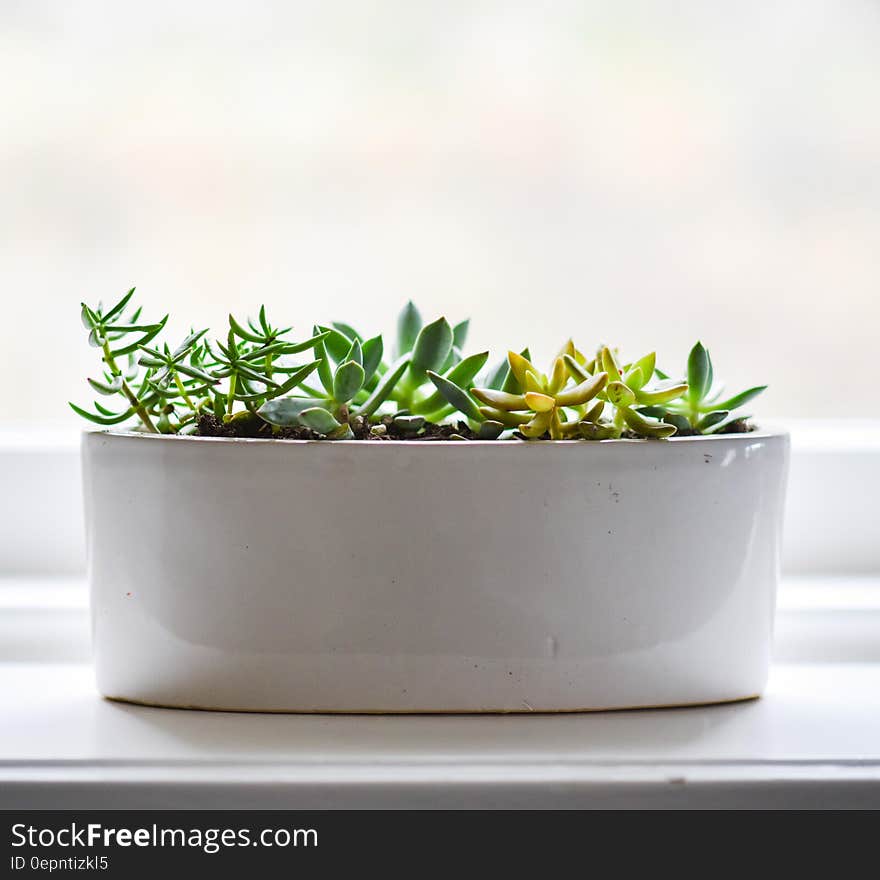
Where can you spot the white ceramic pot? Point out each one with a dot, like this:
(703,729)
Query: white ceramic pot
(433,576)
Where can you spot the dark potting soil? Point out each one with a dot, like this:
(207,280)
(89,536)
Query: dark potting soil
(251,426)
(248,425)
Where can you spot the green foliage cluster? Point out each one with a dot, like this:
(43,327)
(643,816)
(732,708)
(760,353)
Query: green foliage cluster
(336,378)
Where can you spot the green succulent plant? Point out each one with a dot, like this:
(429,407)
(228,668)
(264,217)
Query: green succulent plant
(541,403)
(356,381)
(249,370)
(449,389)
(627,390)
(595,400)
(118,336)
(168,389)
(485,421)
(254,380)
(703,409)
(179,381)
(351,386)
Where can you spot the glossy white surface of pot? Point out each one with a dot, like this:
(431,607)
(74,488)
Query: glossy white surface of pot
(432,576)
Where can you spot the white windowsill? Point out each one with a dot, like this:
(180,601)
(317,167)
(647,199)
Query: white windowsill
(812,741)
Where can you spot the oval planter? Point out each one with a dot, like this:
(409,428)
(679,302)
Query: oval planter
(504,576)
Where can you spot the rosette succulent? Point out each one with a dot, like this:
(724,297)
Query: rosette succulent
(357,382)
(541,404)
(627,390)
(348,370)
(702,409)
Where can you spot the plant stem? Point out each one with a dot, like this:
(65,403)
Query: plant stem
(230,400)
(183,393)
(403,392)
(139,408)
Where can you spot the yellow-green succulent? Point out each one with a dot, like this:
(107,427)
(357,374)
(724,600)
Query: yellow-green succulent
(627,391)
(543,402)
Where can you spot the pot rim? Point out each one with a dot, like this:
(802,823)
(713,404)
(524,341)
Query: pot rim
(763,433)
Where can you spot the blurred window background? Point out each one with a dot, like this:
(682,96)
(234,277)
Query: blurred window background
(641,173)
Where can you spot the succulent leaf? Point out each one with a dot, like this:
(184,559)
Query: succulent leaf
(663,393)
(373,349)
(336,343)
(409,323)
(105,388)
(645,427)
(460,333)
(534,382)
(347,381)
(538,426)
(355,353)
(117,309)
(633,378)
(739,399)
(539,403)
(519,367)
(699,373)
(609,365)
(318,419)
(653,412)
(285,411)
(594,413)
(460,375)
(293,380)
(452,359)
(711,419)
(465,370)
(385,387)
(242,332)
(490,430)
(496,377)
(558,375)
(149,335)
(103,420)
(508,419)
(456,396)
(347,330)
(583,392)
(592,431)
(619,395)
(577,372)
(432,347)
(87,316)
(719,426)
(646,367)
(511,383)
(296,347)
(681,422)
(500,399)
